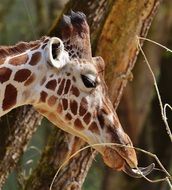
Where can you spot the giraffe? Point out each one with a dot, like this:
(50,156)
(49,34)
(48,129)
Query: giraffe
(63,82)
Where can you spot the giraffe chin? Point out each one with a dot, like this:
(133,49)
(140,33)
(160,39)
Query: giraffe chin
(115,161)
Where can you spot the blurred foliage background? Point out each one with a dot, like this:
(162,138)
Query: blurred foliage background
(25,20)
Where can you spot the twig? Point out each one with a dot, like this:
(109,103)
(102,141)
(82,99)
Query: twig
(169,177)
(163,109)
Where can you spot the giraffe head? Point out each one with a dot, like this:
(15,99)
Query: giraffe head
(62,80)
(74,96)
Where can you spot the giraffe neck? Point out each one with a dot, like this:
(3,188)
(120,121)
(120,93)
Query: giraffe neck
(19,75)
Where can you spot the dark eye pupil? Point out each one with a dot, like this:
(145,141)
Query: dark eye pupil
(88,82)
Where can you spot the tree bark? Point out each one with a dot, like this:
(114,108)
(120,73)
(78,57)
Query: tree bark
(136,111)
(114,26)
(17,141)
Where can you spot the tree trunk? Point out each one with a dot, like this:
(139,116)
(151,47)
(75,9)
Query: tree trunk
(114,26)
(140,118)
(20,133)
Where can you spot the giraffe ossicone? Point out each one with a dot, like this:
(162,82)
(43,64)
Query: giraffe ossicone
(62,80)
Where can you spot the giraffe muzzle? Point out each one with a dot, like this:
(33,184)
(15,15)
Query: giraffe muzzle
(122,155)
(114,160)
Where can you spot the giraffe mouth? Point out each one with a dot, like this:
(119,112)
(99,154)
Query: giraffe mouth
(115,160)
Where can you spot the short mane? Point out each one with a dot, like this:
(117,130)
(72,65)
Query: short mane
(19,47)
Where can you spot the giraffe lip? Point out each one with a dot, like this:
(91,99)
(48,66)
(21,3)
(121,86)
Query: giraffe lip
(138,172)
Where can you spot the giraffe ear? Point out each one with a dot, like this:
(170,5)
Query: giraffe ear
(56,55)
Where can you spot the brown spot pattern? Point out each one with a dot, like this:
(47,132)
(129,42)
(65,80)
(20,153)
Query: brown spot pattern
(65,103)
(87,118)
(68,83)
(68,116)
(75,91)
(10,97)
(44,46)
(46,40)
(59,108)
(83,107)
(106,110)
(42,111)
(74,79)
(30,80)
(52,100)
(101,120)
(26,94)
(51,84)
(61,87)
(19,60)
(22,75)
(2,61)
(59,80)
(5,74)
(94,128)
(43,96)
(43,80)
(35,58)
(36,47)
(73,106)
(78,125)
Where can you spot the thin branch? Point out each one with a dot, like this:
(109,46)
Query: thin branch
(169,177)
(163,108)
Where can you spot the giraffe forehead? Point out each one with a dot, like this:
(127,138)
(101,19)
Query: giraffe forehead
(82,66)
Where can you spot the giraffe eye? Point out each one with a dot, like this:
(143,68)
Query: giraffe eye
(88,81)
